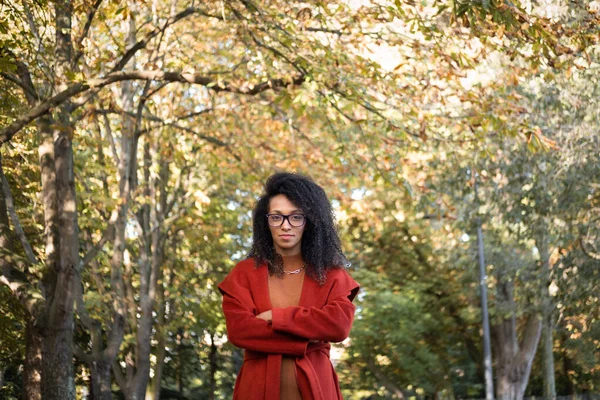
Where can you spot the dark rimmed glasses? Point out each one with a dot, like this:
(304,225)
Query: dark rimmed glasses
(295,220)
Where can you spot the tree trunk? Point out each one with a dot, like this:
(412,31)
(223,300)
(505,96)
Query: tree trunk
(103,354)
(62,251)
(147,297)
(514,359)
(54,321)
(137,382)
(5,233)
(513,370)
(146,320)
(152,257)
(179,373)
(213,367)
(568,367)
(143,348)
(161,339)
(32,371)
(153,392)
(118,256)
(32,377)
(101,382)
(57,377)
(57,361)
(389,384)
(542,243)
(106,343)
(51,228)
(549,379)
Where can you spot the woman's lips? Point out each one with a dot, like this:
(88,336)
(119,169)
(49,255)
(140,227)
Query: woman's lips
(286,236)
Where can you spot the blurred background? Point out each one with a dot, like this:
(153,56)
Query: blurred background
(136,136)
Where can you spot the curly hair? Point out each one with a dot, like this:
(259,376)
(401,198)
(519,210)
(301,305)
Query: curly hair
(321,246)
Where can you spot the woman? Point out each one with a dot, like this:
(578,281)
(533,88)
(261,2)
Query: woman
(285,303)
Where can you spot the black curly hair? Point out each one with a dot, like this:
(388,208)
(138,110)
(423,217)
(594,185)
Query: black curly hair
(321,246)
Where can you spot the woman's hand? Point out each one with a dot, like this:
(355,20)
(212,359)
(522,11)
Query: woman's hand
(266,316)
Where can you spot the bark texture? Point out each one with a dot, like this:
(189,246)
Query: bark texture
(513,358)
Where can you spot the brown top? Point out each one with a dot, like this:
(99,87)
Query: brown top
(285,292)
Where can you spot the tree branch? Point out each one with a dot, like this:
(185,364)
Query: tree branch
(142,44)
(178,191)
(118,374)
(115,337)
(388,383)
(531,337)
(16,280)
(23,290)
(8,132)
(587,252)
(111,140)
(82,355)
(278,53)
(325,30)
(162,123)
(84,33)
(32,24)
(24,77)
(82,312)
(150,35)
(195,114)
(15,80)
(151,117)
(10,205)
(108,234)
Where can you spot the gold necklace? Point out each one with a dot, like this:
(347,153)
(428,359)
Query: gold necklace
(296,271)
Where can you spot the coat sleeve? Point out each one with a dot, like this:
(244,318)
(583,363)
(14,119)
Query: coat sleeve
(332,323)
(246,331)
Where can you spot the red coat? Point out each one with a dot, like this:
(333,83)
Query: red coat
(324,314)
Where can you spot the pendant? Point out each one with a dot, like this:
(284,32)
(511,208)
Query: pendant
(294,272)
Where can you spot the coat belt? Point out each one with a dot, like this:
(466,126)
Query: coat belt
(273,377)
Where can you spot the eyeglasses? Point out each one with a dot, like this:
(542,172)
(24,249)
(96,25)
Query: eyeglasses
(295,220)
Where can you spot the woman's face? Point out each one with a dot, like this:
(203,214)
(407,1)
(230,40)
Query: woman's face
(287,239)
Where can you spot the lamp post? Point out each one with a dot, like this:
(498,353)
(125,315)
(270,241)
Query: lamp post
(487,350)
